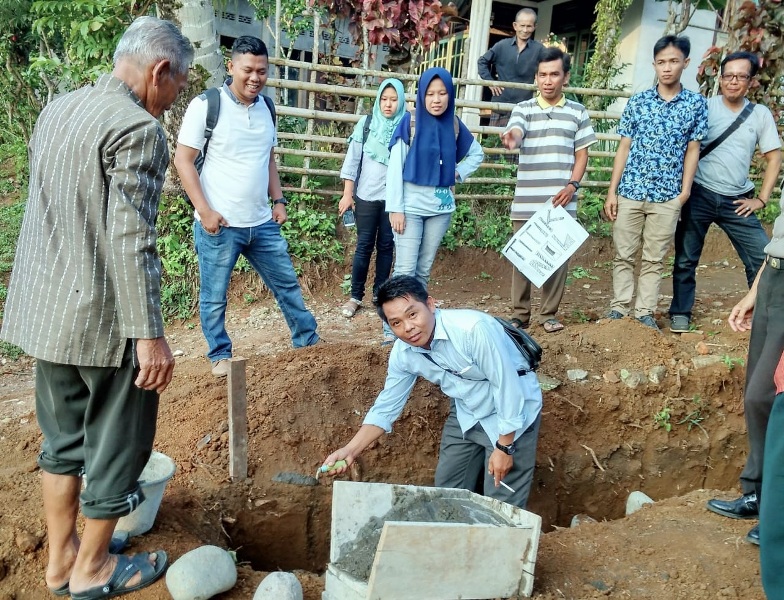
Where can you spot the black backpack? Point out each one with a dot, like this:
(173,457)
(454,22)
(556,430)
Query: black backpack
(212,95)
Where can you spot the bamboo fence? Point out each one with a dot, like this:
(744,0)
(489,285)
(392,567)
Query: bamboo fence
(316,145)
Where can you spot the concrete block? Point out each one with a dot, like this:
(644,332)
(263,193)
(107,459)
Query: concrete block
(490,558)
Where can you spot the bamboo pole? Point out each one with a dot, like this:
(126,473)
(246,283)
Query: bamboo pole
(456,80)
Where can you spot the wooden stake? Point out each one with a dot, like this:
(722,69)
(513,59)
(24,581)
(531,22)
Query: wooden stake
(238,420)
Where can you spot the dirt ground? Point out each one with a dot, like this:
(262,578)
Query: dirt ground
(599,440)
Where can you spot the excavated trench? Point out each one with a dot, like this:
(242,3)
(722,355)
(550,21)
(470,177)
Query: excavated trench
(599,441)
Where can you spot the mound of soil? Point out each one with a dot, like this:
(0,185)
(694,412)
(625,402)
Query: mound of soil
(648,414)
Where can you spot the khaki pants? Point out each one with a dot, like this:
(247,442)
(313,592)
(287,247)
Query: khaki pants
(652,225)
(552,291)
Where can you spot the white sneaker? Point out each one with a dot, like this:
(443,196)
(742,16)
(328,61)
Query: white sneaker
(220,368)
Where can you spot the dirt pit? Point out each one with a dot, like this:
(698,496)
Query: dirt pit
(647,415)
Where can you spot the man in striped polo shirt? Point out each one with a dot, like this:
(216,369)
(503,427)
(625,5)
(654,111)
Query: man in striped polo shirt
(553,135)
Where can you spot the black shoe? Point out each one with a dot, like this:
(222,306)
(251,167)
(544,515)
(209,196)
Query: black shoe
(752,537)
(745,507)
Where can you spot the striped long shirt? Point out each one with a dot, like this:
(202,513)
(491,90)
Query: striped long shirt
(86,276)
(551,136)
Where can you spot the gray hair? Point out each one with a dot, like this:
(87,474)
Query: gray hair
(149,39)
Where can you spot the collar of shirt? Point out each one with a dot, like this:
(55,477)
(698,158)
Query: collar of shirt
(545,105)
(676,98)
(230,94)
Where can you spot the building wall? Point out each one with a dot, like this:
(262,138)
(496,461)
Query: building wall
(642,25)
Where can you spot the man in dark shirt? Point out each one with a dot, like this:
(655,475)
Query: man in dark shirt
(513,59)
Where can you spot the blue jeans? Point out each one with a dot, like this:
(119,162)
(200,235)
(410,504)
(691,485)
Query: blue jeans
(373,232)
(267,252)
(416,247)
(703,208)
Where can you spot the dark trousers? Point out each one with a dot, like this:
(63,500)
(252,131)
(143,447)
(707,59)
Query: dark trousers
(703,208)
(462,461)
(771,522)
(373,232)
(765,349)
(96,421)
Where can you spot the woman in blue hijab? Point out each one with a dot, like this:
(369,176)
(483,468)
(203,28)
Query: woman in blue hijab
(428,155)
(364,175)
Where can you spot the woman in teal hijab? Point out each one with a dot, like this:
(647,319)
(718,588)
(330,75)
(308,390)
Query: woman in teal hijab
(364,175)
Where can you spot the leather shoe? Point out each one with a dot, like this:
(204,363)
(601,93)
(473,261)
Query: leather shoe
(752,537)
(745,507)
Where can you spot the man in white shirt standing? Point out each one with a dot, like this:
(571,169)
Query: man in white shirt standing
(495,398)
(231,198)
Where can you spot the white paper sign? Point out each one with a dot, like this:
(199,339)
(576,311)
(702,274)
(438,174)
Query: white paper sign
(544,243)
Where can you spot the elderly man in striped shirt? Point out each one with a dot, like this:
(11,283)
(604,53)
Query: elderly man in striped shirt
(84,300)
(553,135)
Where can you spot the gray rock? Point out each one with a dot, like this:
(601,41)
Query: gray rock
(657,374)
(279,586)
(636,501)
(700,362)
(547,383)
(578,520)
(201,573)
(576,374)
(633,379)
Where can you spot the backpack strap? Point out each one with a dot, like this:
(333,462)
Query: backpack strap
(212,95)
(271,106)
(365,134)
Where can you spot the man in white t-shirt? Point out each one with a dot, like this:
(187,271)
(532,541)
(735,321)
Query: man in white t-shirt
(722,192)
(231,199)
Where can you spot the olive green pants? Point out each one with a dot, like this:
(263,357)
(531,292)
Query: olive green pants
(96,423)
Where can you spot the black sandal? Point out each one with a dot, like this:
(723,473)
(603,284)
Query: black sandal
(518,323)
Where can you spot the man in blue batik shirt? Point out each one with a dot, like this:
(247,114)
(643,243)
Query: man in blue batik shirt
(654,168)
(495,398)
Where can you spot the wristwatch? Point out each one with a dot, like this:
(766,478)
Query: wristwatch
(510,449)
(576,184)
(280,200)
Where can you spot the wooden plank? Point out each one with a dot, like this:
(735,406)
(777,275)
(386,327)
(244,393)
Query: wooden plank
(238,420)
(444,561)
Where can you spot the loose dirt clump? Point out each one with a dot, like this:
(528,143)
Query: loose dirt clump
(629,409)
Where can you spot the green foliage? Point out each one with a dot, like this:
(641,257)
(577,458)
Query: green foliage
(590,210)
(53,46)
(479,225)
(732,361)
(180,281)
(662,419)
(310,232)
(345,285)
(10,224)
(10,351)
(582,273)
(695,417)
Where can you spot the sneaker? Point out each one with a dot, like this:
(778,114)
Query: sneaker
(649,321)
(350,308)
(615,315)
(679,324)
(220,368)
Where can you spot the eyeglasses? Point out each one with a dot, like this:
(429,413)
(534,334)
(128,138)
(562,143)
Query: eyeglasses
(742,77)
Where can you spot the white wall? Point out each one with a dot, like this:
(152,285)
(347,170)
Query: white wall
(642,26)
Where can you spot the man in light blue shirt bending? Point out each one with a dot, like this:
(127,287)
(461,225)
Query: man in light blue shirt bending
(495,398)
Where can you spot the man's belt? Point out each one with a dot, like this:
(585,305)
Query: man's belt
(774,262)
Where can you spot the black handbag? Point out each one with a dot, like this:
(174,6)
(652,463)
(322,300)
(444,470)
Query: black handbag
(527,345)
